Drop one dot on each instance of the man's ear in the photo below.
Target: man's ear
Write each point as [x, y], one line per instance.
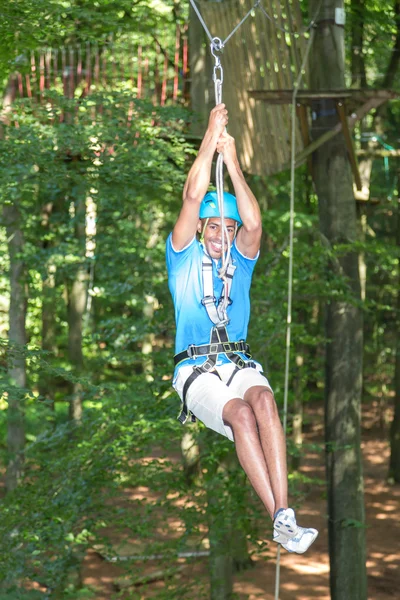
[199, 226]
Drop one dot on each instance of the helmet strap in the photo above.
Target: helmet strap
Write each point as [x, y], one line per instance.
[203, 230]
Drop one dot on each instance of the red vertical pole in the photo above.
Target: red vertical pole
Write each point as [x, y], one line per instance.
[122, 66]
[33, 73]
[139, 79]
[132, 66]
[157, 91]
[88, 68]
[113, 68]
[55, 64]
[20, 86]
[41, 75]
[146, 75]
[79, 65]
[164, 83]
[64, 73]
[97, 66]
[48, 69]
[28, 85]
[71, 73]
[176, 63]
[185, 63]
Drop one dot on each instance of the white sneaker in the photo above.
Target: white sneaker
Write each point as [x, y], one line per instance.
[301, 543]
[285, 526]
[292, 537]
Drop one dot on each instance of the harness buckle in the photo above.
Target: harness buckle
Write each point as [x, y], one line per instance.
[191, 351]
[183, 416]
[227, 346]
[208, 300]
[206, 367]
[221, 299]
[240, 363]
[213, 349]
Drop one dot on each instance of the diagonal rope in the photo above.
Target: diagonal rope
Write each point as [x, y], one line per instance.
[210, 37]
[290, 274]
[257, 4]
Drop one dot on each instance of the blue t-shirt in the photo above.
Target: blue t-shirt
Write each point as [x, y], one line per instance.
[185, 279]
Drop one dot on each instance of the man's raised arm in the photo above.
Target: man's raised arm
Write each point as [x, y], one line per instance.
[198, 179]
[249, 236]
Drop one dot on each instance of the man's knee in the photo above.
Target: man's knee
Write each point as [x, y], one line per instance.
[239, 414]
[261, 400]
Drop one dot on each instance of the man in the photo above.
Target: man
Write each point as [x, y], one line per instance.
[215, 376]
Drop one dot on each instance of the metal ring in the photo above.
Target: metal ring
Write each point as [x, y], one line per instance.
[216, 46]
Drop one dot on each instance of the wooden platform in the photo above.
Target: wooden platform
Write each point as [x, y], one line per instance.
[308, 96]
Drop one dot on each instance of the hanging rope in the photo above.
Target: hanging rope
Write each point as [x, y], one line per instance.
[218, 78]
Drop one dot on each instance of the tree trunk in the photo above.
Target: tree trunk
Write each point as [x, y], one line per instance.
[220, 562]
[358, 74]
[297, 426]
[46, 381]
[77, 298]
[394, 465]
[219, 521]
[17, 339]
[395, 56]
[344, 327]
[190, 455]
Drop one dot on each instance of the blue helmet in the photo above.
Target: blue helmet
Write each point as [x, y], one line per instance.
[209, 207]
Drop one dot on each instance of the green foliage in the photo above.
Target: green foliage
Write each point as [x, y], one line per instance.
[61, 153]
[27, 25]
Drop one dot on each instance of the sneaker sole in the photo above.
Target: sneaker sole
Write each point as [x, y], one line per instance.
[305, 549]
[289, 531]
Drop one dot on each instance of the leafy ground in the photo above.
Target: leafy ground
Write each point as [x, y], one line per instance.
[303, 577]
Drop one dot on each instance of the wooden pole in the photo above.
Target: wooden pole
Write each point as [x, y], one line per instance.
[343, 315]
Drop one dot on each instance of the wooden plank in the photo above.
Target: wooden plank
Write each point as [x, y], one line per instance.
[379, 152]
[281, 96]
[352, 120]
[349, 143]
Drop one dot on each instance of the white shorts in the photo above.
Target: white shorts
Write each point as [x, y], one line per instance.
[207, 394]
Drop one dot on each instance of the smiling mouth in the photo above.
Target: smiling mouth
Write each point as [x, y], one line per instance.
[216, 247]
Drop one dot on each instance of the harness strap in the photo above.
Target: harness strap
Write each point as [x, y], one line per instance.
[217, 348]
[218, 338]
[207, 367]
[216, 310]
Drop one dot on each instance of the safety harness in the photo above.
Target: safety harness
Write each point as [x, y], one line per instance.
[219, 339]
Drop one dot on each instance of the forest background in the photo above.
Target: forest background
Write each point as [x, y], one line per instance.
[90, 186]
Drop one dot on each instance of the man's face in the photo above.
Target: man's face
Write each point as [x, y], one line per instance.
[213, 234]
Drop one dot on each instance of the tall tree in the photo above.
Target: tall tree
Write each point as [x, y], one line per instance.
[344, 323]
[17, 339]
[17, 324]
[394, 465]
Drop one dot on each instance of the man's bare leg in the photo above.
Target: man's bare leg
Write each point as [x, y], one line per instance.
[240, 416]
[272, 439]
